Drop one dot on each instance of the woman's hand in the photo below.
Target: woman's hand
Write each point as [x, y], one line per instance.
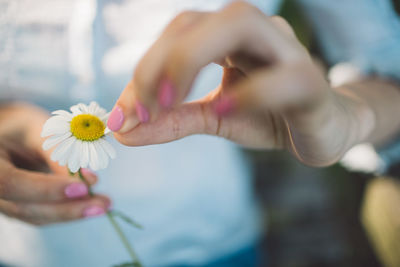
[32, 187]
[271, 94]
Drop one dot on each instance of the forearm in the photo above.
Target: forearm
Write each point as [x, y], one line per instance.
[379, 98]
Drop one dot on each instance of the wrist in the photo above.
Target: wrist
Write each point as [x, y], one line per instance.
[321, 136]
[360, 117]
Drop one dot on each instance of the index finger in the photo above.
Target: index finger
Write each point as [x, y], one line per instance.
[28, 186]
[139, 97]
[237, 27]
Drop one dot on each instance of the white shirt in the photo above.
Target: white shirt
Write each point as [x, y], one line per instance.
[193, 196]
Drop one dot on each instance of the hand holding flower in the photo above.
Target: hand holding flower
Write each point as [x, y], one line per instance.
[80, 137]
[33, 188]
[80, 140]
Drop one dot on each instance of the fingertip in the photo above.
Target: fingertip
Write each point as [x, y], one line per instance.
[166, 95]
[123, 116]
[90, 176]
[76, 190]
[93, 211]
[225, 105]
[116, 119]
[107, 202]
[142, 112]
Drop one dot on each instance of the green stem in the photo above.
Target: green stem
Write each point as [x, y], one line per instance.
[117, 228]
[86, 182]
[124, 240]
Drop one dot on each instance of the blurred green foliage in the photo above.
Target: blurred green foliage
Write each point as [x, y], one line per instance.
[292, 12]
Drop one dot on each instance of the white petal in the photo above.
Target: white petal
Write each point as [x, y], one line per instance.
[93, 107]
[107, 131]
[55, 125]
[64, 159]
[103, 157]
[74, 158]
[100, 112]
[104, 118]
[54, 140]
[62, 149]
[83, 108]
[63, 113]
[76, 110]
[74, 168]
[93, 157]
[108, 148]
[85, 155]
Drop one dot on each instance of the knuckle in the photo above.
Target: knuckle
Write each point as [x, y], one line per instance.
[238, 9]
[181, 21]
[183, 18]
[242, 17]
[283, 25]
[280, 20]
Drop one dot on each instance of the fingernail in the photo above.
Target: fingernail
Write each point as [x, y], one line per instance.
[142, 112]
[88, 172]
[224, 105]
[75, 190]
[167, 94]
[93, 211]
[109, 205]
[116, 119]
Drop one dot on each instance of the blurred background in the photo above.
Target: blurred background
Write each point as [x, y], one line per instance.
[314, 216]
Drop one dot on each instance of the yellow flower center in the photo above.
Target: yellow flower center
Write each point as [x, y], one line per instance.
[87, 127]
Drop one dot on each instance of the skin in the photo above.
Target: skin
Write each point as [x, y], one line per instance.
[279, 98]
[31, 185]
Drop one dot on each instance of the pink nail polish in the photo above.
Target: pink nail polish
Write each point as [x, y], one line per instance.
[167, 94]
[116, 119]
[224, 105]
[76, 190]
[93, 211]
[88, 172]
[142, 112]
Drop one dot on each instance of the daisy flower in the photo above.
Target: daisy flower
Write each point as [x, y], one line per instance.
[79, 137]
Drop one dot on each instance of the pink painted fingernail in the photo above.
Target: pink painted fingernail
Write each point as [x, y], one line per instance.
[224, 105]
[142, 112]
[76, 190]
[167, 94]
[93, 211]
[88, 172]
[116, 119]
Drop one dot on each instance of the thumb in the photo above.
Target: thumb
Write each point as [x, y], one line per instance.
[127, 112]
[196, 117]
